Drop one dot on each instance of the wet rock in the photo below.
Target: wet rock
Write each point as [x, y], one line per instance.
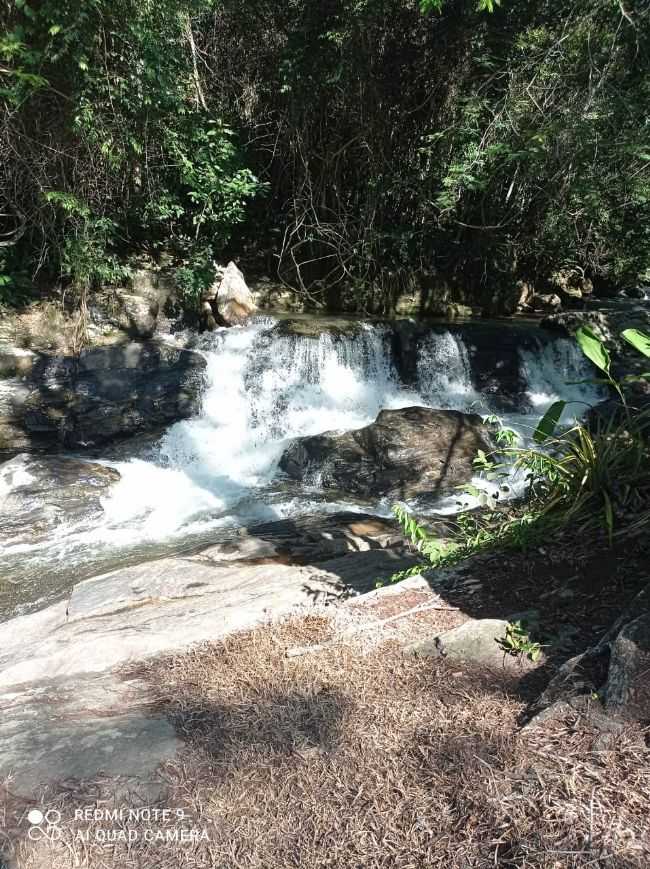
[515, 298]
[403, 453]
[493, 355]
[572, 284]
[309, 539]
[314, 327]
[640, 293]
[40, 494]
[104, 393]
[15, 361]
[549, 302]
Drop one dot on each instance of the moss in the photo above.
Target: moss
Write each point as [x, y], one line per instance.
[317, 326]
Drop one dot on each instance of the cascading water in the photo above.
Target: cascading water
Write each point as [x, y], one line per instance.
[444, 373]
[264, 388]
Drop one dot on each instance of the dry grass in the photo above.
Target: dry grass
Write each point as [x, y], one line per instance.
[360, 757]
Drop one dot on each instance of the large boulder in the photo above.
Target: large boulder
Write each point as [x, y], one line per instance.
[549, 302]
[571, 284]
[40, 494]
[102, 394]
[403, 453]
[229, 300]
[136, 314]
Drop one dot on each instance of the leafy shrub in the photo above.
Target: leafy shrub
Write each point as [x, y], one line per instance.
[595, 475]
[132, 154]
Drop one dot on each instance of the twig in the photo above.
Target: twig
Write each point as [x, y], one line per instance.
[296, 651]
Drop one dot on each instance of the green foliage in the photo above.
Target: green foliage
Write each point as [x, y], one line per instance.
[195, 275]
[517, 642]
[593, 348]
[471, 533]
[427, 6]
[601, 472]
[475, 148]
[638, 339]
[596, 351]
[436, 551]
[549, 422]
[596, 476]
[503, 435]
[133, 154]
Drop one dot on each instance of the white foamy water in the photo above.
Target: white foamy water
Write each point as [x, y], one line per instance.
[262, 390]
[445, 374]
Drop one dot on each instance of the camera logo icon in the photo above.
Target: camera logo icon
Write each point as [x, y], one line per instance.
[44, 825]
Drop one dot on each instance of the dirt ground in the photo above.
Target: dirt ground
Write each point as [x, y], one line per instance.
[318, 743]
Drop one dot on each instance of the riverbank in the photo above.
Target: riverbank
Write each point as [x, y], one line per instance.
[322, 739]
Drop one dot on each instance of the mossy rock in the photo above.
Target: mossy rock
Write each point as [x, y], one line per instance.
[314, 327]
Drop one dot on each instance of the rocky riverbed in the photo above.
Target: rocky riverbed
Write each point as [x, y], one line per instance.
[273, 453]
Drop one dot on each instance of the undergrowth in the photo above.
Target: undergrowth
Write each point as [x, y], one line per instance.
[595, 475]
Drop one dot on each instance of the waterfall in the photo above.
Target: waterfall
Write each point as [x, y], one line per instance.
[554, 369]
[265, 387]
[262, 390]
[444, 373]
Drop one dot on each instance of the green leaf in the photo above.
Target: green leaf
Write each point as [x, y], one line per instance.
[593, 348]
[548, 423]
[638, 339]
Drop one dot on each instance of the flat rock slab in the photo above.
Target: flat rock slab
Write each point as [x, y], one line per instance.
[66, 713]
[150, 609]
[309, 539]
[79, 729]
[474, 641]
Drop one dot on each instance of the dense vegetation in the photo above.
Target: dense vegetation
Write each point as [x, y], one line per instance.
[593, 476]
[357, 144]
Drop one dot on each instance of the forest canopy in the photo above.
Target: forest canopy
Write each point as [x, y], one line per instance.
[356, 142]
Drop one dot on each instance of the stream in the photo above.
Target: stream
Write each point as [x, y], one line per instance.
[206, 475]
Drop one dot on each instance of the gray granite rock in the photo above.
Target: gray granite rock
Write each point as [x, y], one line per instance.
[627, 691]
[474, 641]
[403, 453]
[102, 394]
[39, 493]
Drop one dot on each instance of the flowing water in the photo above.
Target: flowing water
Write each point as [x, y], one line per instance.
[263, 389]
